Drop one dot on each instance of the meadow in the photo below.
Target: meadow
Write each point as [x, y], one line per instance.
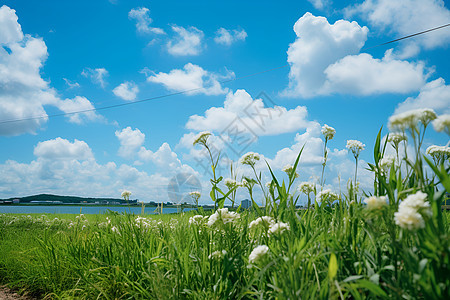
[392, 243]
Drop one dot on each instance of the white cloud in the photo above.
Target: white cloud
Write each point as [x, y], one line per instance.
[187, 42]
[319, 4]
[324, 61]
[319, 44]
[126, 91]
[96, 75]
[364, 75]
[23, 92]
[11, 31]
[228, 37]
[78, 104]
[194, 78]
[243, 115]
[130, 140]
[434, 95]
[63, 149]
[142, 17]
[406, 17]
[70, 84]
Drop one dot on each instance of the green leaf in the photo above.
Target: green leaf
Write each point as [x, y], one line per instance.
[332, 266]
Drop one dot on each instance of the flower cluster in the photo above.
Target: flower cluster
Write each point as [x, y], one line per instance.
[396, 138]
[411, 210]
[328, 132]
[375, 203]
[306, 187]
[222, 216]
[326, 195]
[217, 254]
[386, 163]
[265, 221]
[250, 158]
[258, 254]
[411, 118]
[202, 138]
[355, 146]
[197, 220]
[231, 183]
[439, 153]
[288, 170]
[126, 194]
[278, 228]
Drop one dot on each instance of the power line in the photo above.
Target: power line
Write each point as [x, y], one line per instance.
[407, 37]
[199, 88]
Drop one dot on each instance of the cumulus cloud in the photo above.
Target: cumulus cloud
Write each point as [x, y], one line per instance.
[60, 148]
[97, 75]
[192, 78]
[319, 44]
[364, 75]
[11, 30]
[227, 37]
[242, 114]
[402, 18]
[130, 140]
[142, 17]
[434, 95]
[324, 61]
[78, 103]
[126, 91]
[75, 173]
[187, 42]
[23, 92]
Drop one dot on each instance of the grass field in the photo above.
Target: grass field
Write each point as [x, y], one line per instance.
[392, 244]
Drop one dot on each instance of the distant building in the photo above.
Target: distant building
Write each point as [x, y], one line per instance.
[246, 204]
[16, 201]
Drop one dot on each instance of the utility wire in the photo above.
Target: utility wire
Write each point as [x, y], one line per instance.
[199, 88]
[406, 37]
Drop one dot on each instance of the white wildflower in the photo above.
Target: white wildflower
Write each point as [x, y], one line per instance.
[222, 216]
[442, 123]
[288, 169]
[355, 146]
[386, 163]
[328, 132]
[326, 195]
[249, 158]
[411, 118]
[196, 220]
[258, 254]
[375, 203]
[415, 201]
[439, 153]
[279, 228]
[396, 138]
[217, 254]
[266, 221]
[306, 187]
[409, 211]
[126, 194]
[231, 183]
[409, 218]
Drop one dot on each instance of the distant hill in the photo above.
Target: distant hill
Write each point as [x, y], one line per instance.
[49, 198]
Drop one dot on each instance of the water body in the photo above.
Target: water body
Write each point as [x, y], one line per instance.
[61, 209]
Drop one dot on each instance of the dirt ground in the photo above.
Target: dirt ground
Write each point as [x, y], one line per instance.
[7, 294]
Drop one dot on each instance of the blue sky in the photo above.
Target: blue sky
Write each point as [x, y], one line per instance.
[59, 56]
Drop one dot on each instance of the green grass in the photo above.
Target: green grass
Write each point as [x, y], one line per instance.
[168, 258]
[339, 249]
